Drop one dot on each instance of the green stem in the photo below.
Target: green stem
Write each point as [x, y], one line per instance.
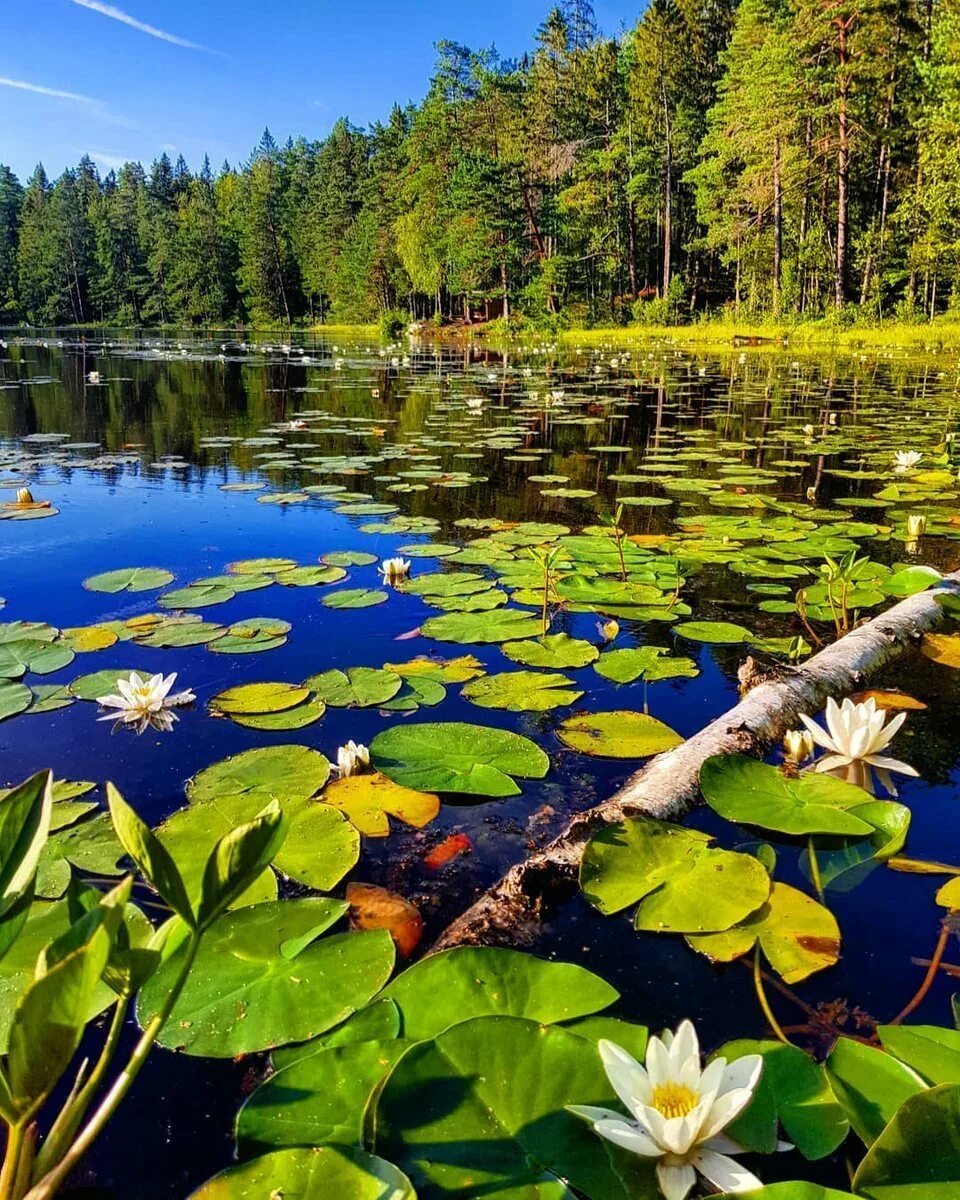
[75, 1109]
[16, 1135]
[47, 1187]
[761, 996]
[815, 869]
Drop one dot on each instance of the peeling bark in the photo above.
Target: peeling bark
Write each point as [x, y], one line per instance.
[509, 913]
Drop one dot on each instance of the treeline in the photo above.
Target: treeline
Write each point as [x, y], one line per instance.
[787, 157]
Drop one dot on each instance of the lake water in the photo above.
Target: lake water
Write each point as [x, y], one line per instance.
[141, 460]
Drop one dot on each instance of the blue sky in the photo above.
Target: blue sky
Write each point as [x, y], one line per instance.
[134, 78]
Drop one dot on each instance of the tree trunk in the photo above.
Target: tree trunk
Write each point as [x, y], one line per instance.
[777, 226]
[509, 912]
[843, 165]
[667, 195]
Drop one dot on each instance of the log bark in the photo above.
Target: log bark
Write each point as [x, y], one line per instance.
[510, 912]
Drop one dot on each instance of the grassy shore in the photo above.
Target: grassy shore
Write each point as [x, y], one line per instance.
[930, 337]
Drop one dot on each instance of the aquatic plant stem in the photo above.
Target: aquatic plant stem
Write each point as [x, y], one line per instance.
[762, 997]
[10, 1173]
[935, 961]
[75, 1109]
[815, 868]
[48, 1186]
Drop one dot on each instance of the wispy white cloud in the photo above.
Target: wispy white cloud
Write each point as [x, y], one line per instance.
[40, 90]
[112, 162]
[117, 14]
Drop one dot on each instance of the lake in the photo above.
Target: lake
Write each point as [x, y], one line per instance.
[738, 472]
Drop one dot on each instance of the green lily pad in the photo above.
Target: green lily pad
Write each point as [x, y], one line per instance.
[483, 981]
[17, 658]
[918, 1154]
[314, 1173]
[932, 1052]
[617, 735]
[101, 683]
[719, 633]
[198, 595]
[302, 715]
[283, 773]
[522, 691]
[15, 698]
[459, 1091]
[797, 935]
[129, 579]
[348, 558]
[749, 792]
[354, 598]
[494, 625]
[47, 698]
[647, 662]
[457, 757]
[177, 633]
[683, 885]
[311, 576]
[264, 976]
[258, 698]
[261, 566]
[357, 687]
[870, 1086]
[557, 651]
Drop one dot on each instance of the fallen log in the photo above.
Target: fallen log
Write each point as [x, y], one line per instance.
[508, 914]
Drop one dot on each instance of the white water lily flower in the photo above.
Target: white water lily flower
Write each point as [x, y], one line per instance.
[352, 759]
[857, 735]
[394, 569]
[916, 525]
[903, 460]
[798, 744]
[678, 1111]
[145, 702]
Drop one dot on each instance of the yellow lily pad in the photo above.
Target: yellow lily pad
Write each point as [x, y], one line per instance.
[368, 799]
[248, 698]
[85, 639]
[943, 648]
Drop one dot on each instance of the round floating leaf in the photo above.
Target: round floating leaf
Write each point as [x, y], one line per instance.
[314, 1173]
[14, 698]
[796, 1190]
[457, 757]
[85, 639]
[34, 656]
[101, 683]
[749, 792]
[318, 1100]
[90, 845]
[494, 625]
[869, 1084]
[483, 981]
[682, 883]
[261, 566]
[918, 1154]
[459, 1092]
[348, 558]
[179, 632]
[440, 670]
[129, 579]
[558, 651]
[793, 1095]
[647, 662]
[943, 648]
[299, 717]
[368, 798]
[797, 935]
[264, 977]
[196, 595]
[354, 598]
[47, 698]
[257, 698]
[720, 633]
[931, 1051]
[522, 691]
[357, 687]
[617, 735]
[311, 576]
[284, 773]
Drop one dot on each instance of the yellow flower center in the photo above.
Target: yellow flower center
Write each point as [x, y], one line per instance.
[674, 1099]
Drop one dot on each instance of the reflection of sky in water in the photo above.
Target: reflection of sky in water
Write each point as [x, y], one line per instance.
[727, 421]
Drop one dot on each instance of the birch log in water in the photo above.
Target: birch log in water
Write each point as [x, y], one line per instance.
[509, 912]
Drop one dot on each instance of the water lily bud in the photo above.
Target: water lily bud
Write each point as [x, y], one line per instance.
[608, 630]
[916, 525]
[25, 496]
[394, 569]
[809, 430]
[798, 745]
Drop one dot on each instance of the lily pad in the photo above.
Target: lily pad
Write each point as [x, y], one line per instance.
[557, 651]
[494, 625]
[283, 773]
[310, 1173]
[719, 633]
[354, 598]
[918, 1153]
[264, 976]
[357, 687]
[129, 579]
[368, 799]
[683, 885]
[258, 698]
[646, 662]
[15, 698]
[522, 691]
[302, 715]
[617, 735]
[797, 935]
[457, 757]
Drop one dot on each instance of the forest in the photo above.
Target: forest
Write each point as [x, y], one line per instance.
[790, 158]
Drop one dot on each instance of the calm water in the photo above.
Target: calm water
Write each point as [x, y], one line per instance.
[452, 434]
